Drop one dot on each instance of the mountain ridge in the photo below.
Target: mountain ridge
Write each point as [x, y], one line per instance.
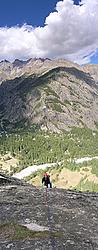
[53, 94]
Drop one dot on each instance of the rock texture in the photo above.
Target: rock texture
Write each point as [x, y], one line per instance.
[8, 180]
[92, 69]
[53, 94]
[66, 220]
[32, 66]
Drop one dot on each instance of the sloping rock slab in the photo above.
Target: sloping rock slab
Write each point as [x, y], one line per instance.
[9, 180]
[69, 220]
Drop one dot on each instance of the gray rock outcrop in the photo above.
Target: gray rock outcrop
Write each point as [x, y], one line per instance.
[61, 220]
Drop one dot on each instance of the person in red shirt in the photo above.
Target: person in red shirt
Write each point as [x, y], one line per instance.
[46, 180]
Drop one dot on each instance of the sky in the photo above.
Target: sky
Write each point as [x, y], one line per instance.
[49, 29]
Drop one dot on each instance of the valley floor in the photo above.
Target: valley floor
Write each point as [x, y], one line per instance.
[81, 178]
[31, 169]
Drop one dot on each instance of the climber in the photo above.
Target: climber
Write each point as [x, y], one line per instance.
[46, 180]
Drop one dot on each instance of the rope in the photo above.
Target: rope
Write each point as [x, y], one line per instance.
[52, 240]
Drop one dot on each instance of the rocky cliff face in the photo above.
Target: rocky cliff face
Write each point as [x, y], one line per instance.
[92, 70]
[53, 94]
[36, 218]
[32, 66]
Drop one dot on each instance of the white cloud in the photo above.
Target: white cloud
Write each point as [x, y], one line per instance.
[71, 32]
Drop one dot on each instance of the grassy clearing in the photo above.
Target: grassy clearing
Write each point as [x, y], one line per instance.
[87, 186]
[68, 176]
[18, 232]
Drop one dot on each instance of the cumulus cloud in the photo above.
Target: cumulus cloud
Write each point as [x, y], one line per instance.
[70, 32]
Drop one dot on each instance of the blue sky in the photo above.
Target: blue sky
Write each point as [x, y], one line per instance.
[74, 40]
[13, 12]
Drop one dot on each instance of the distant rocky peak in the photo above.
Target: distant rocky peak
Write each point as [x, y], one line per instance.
[19, 63]
[4, 61]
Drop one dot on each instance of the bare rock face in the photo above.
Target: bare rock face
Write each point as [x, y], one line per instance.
[53, 94]
[4, 180]
[32, 66]
[92, 69]
[33, 218]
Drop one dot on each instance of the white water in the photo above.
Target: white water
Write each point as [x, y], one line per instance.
[31, 169]
[81, 160]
